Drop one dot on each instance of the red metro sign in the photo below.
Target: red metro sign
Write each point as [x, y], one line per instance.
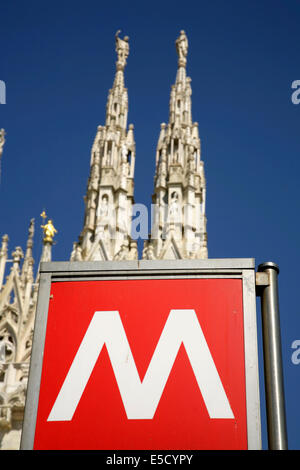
[143, 364]
[141, 397]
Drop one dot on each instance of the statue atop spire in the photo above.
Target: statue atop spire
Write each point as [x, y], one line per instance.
[31, 229]
[122, 50]
[182, 48]
[49, 229]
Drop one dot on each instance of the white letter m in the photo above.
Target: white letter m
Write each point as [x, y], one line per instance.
[141, 399]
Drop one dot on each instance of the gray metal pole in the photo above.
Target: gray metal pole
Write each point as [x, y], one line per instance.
[276, 419]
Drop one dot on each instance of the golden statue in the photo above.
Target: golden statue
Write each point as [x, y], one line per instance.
[49, 231]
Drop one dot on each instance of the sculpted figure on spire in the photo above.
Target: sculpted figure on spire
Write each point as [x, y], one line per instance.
[182, 48]
[49, 231]
[122, 50]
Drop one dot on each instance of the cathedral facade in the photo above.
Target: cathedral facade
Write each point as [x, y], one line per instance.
[178, 228]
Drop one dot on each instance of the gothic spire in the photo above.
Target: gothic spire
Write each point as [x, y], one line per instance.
[117, 102]
[179, 228]
[3, 258]
[109, 196]
[49, 232]
[180, 99]
[27, 268]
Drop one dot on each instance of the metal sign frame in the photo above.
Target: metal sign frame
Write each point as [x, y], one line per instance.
[243, 269]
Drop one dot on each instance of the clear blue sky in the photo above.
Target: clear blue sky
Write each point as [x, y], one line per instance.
[58, 62]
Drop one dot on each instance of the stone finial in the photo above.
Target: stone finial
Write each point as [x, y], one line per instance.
[122, 50]
[17, 255]
[31, 229]
[4, 242]
[28, 259]
[30, 234]
[182, 48]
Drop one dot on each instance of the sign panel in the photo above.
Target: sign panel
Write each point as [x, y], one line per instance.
[144, 362]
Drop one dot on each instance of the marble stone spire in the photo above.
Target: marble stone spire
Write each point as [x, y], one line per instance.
[109, 196]
[179, 226]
